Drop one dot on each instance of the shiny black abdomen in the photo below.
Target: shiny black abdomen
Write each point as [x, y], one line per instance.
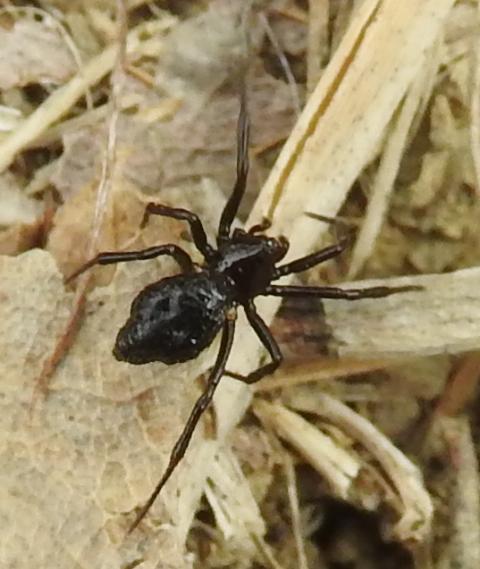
[174, 319]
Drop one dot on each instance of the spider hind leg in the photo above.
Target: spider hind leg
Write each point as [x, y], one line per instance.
[287, 291]
[269, 342]
[198, 409]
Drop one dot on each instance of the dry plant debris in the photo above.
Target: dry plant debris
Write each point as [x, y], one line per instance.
[380, 416]
[34, 52]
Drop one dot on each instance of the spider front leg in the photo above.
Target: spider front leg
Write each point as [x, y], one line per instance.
[316, 258]
[196, 227]
[182, 258]
[335, 292]
[202, 403]
[231, 208]
[309, 261]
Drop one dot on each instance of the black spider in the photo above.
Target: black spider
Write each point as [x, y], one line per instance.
[176, 318]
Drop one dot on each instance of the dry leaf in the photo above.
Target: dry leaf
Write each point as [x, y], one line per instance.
[16, 207]
[91, 453]
[33, 52]
[195, 143]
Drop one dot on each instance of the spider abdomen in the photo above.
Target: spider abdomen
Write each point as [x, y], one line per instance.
[173, 320]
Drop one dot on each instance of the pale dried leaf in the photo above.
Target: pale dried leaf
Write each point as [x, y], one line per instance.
[20, 237]
[33, 52]
[16, 207]
[69, 237]
[196, 61]
[193, 144]
[92, 452]
[9, 118]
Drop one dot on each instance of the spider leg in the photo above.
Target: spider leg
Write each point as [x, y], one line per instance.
[325, 218]
[311, 260]
[231, 207]
[196, 227]
[335, 221]
[202, 403]
[182, 258]
[264, 224]
[335, 292]
[265, 336]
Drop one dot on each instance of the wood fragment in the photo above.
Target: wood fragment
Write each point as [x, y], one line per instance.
[444, 317]
[416, 511]
[336, 465]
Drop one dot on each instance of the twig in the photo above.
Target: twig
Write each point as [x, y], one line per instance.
[283, 62]
[61, 348]
[108, 164]
[475, 109]
[266, 551]
[295, 510]
[465, 541]
[318, 370]
[66, 339]
[292, 12]
[318, 17]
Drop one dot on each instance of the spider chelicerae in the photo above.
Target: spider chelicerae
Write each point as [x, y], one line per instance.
[177, 317]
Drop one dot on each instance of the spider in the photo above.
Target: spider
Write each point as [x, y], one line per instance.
[177, 317]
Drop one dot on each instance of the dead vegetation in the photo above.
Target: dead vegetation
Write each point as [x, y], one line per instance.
[362, 451]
